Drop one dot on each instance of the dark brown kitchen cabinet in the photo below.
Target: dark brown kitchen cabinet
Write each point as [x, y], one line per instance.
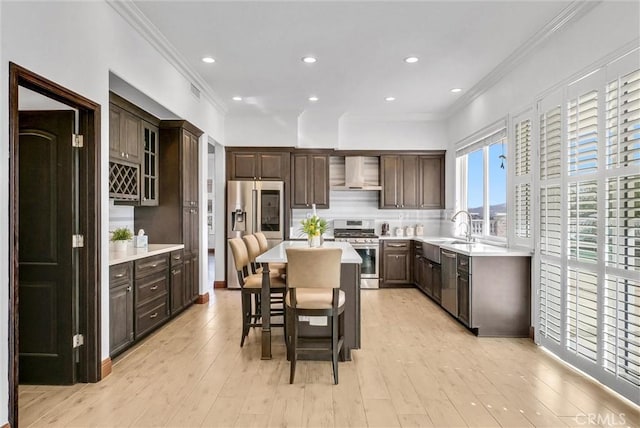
[309, 180]
[412, 182]
[151, 293]
[124, 134]
[431, 182]
[464, 294]
[251, 165]
[399, 176]
[121, 314]
[436, 281]
[175, 219]
[396, 263]
[177, 296]
[150, 175]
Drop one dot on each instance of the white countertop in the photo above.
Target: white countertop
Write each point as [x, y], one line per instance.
[475, 249]
[132, 253]
[278, 254]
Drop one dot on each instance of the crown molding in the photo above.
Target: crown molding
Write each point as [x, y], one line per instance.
[139, 22]
[576, 10]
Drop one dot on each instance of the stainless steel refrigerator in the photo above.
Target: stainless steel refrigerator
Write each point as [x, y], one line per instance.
[253, 206]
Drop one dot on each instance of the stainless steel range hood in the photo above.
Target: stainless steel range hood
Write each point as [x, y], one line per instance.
[360, 173]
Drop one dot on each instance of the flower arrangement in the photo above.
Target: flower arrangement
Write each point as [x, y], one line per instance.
[314, 226]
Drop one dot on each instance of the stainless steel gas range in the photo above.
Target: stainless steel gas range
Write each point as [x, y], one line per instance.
[362, 237]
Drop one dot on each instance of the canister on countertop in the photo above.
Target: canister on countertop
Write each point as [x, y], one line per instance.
[409, 231]
[141, 240]
[419, 230]
[399, 231]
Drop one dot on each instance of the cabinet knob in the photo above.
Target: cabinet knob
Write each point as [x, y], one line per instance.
[144, 199]
[122, 154]
[127, 155]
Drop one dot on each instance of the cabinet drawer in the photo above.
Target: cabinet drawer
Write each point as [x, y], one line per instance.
[177, 257]
[417, 248]
[151, 288]
[396, 245]
[151, 315]
[119, 273]
[152, 264]
[464, 263]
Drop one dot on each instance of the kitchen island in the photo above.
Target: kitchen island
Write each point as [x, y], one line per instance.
[349, 283]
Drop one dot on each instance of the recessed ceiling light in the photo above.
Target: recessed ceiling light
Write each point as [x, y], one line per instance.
[411, 59]
[237, 98]
[456, 90]
[314, 99]
[390, 99]
[309, 59]
[208, 60]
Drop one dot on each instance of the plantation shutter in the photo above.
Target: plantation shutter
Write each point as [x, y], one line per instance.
[582, 219]
[623, 121]
[550, 143]
[582, 133]
[522, 180]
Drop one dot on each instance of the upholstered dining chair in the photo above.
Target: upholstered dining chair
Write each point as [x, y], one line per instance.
[251, 285]
[264, 246]
[313, 284]
[277, 299]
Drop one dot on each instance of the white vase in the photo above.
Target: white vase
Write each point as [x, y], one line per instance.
[314, 241]
[120, 246]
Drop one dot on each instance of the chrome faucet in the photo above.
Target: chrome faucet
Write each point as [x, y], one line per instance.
[468, 222]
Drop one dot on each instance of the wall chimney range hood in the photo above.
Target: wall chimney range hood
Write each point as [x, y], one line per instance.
[360, 173]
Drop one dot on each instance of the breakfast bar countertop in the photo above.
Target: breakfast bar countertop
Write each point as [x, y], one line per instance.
[132, 253]
[278, 253]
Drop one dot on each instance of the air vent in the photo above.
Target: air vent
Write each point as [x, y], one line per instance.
[195, 91]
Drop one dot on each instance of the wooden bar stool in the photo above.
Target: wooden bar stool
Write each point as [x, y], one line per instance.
[264, 246]
[313, 283]
[251, 284]
[277, 300]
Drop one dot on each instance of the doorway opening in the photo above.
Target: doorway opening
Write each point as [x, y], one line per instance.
[54, 239]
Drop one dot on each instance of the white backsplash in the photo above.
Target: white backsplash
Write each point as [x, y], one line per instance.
[363, 205]
[120, 216]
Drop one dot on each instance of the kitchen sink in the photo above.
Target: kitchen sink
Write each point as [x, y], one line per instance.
[460, 242]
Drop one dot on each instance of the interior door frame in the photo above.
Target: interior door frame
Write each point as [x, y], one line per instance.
[89, 368]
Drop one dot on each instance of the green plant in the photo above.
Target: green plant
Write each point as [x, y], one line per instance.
[314, 226]
[121, 234]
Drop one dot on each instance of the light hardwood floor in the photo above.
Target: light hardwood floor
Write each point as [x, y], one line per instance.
[417, 367]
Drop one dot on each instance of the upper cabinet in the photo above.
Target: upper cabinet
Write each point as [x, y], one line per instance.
[309, 180]
[412, 181]
[133, 153]
[245, 165]
[124, 134]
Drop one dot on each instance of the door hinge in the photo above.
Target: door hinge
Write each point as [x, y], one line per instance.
[77, 140]
[78, 340]
[77, 241]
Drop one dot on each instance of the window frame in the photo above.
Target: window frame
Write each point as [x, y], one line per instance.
[483, 140]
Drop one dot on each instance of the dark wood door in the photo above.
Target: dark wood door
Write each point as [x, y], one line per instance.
[320, 180]
[130, 132]
[114, 131]
[390, 196]
[189, 194]
[46, 290]
[177, 288]
[120, 317]
[195, 279]
[244, 166]
[396, 268]
[300, 174]
[271, 166]
[431, 182]
[463, 297]
[436, 281]
[409, 173]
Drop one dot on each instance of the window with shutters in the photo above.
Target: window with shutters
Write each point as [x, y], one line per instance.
[588, 232]
[522, 180]
[482, 186]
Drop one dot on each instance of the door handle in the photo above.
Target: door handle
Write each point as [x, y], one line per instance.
[154, 288]
[153, 315]
[120, 275]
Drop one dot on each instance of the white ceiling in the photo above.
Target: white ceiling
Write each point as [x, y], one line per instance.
[360, 48]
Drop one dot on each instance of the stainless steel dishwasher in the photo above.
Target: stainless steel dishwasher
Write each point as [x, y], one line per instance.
[449, 282]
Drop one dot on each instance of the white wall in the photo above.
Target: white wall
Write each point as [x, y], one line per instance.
[76, 44]
[608, 28]
[377, 133]
[261, 130]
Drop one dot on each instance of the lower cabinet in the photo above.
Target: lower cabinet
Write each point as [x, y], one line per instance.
[464, 284]
[396, 263]
[145, 293]
[121, 332]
